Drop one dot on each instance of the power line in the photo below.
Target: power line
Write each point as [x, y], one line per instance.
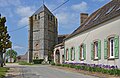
[18, 28]
[40, 17]
[60, 5]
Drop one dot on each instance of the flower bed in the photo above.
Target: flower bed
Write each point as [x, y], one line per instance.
[105, 69]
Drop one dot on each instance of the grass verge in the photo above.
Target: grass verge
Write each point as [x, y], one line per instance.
[24, 63]
[3, 71]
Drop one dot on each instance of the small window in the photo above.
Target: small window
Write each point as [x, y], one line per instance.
[96, 50]
[67, 57]
[72, 54]
[48, 17]
[96, 17]
[51, 17]
[39, 17]
[81, 52]
[110, 9]
[35, 16]
[118, 9]
[111, 47]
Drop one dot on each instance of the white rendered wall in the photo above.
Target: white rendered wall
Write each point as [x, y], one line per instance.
[101, 32]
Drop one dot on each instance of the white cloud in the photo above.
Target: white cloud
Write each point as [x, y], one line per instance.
[4, 3]
[67, 19]
[81, 7]
[62, 17]
[23, 21]
[17, 47]
[25, 13]
[98, 0]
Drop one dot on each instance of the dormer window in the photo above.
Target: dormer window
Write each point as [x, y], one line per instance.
[110, 9]
[118, 9]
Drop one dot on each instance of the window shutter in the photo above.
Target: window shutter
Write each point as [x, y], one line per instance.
[84, 52]
[116, 47]
[99, 49]
[79, 52]
[74, 53]
[65, 54]
[105, 49]
[92, 56]
[68, 54]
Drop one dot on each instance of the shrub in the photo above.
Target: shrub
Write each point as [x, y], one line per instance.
[24, 63]
[52, 63]
[37, 61]
[58, 64]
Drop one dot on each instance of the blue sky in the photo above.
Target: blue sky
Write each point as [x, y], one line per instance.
[17, 13]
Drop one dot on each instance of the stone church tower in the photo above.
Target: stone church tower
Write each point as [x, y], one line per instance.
[42, 34]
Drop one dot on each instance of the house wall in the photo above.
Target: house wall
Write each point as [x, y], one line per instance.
[98, 32]
[61, 54]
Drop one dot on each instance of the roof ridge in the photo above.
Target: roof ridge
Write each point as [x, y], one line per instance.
[90, 22]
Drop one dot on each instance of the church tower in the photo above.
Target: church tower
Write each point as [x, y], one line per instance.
[42, 34]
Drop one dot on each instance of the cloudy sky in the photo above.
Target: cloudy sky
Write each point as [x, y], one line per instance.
[18, 11]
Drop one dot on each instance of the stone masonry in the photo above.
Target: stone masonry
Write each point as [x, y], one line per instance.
[42, 34]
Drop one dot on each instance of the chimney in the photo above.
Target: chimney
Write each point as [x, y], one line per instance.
[83, 17]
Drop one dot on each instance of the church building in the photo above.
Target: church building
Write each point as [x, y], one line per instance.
[43, 33]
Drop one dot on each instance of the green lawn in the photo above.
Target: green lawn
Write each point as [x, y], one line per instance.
[3, 71]
[24, 63]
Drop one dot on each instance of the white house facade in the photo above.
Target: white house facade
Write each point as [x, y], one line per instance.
[97, 40]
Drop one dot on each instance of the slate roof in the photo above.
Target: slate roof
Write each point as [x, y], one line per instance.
[42, 8]
[103, 14]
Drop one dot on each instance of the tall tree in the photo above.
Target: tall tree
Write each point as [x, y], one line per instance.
[5, 43]
[12, 54]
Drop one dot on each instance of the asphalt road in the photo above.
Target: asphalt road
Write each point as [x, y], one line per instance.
[45, 71]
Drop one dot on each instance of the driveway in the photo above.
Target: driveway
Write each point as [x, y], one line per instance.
[46, 71]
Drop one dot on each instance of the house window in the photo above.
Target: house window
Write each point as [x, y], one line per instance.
[39, 17]
[72, 54]
[111, 47]
[51, 17]
[96, 49]
[81, 52]
[67, 57]
[48, 17]
[35, 16]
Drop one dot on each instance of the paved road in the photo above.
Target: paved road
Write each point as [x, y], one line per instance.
[45, 71]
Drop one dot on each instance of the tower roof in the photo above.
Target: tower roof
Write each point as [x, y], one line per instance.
[42, 8]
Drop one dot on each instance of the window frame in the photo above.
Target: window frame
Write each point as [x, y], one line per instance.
[67, 54]
[82, 52]
[109, 48]
[72, 51]
[95, 48]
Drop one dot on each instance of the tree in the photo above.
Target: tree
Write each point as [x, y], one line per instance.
[5, 43]
[12, 54]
